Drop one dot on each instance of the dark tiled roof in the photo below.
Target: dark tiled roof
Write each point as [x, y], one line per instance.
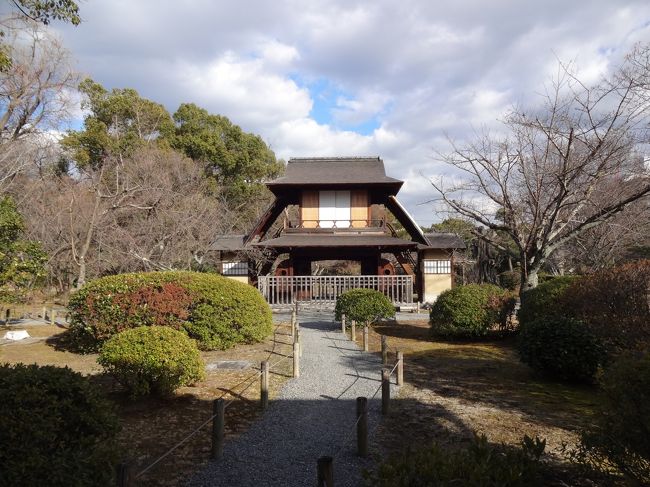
[228, 243]
[334, 170]
[319, 240]
[444, 241]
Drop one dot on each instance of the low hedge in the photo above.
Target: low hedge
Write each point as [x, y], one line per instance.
[480, 464]
[216, 311]
[152, 360]
[363, 306]
[563, 348]
[470, 311]
[55, 428]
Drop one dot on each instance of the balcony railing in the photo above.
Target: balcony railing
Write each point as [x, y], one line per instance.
[286, 290]
[335, 224]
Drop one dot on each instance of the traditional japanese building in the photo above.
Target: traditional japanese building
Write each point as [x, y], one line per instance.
[339, 209]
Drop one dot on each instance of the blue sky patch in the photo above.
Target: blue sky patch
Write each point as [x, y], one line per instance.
[325, 96]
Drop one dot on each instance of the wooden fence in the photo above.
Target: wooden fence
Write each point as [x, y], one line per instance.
[287, 290]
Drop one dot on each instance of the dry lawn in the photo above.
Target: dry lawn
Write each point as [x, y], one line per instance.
[150, 427]
[453, 389]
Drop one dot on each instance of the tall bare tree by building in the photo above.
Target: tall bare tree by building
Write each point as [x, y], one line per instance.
[543, 183]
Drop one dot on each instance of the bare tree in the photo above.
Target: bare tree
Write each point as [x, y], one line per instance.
[549, 179]
[151, 211]
[35, 96]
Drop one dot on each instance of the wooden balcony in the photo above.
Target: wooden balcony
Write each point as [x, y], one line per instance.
[281, 291]
[324, 226]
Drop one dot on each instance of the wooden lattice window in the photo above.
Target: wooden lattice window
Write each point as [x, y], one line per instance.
[437, 266]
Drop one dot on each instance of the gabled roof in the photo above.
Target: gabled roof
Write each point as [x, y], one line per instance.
[440, 240]
[228, 243]
[336, 171]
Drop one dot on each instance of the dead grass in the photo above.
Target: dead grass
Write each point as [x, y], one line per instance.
[454, 389]
[151, 426]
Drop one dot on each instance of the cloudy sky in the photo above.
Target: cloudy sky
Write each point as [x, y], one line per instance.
[323, 78]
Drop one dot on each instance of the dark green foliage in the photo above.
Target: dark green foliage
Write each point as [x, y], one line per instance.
[478, 465]
[237, 160]
[544, 302]
[55, 428]
[561, 347]
[510, 280]
[22, 262]
[217, 311]
[119, 122]
[152, 360]
[469, 311]
[363, 306]
[621, 433]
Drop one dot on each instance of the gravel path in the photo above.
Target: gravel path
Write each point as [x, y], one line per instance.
[314, 415]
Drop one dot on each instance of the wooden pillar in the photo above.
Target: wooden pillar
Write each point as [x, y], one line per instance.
[362, 426]
[325, 467]
[218, 427]
[400, 368]
[264, 385]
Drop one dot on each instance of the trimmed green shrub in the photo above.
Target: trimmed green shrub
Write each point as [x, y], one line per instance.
[152, 360]
[561, 347]
[55, 428]
[217, 311]
[480, 465]
[470, 311]
[544, 301]
[363, 306]
[510, 280]
[621, 433]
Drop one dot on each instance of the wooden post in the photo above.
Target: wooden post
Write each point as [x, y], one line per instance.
[325, 467]
[53, 317]
[218, 428]
[354, 331]
[123, 474]
[44, 313]
[384, 350]
[400, 368]
[417, 307]
[296, 359]
[264, 385]
[362, 426]
[343, 323]
[298, 339]
[385, 391]
[365, 338]
[293, 325]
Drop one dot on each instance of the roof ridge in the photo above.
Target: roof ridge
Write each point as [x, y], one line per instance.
[314, 159]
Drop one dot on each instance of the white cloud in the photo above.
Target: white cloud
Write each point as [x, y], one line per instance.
[245, 90]
[421, 69]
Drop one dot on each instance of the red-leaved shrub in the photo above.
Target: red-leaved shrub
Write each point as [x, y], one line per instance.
[614, 304]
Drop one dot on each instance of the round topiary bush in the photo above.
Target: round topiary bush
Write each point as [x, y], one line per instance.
[217, 311]
[55, 428]
[363, 306]
[545, 301]
[469, 311]
[561, 347]
[152, 360]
